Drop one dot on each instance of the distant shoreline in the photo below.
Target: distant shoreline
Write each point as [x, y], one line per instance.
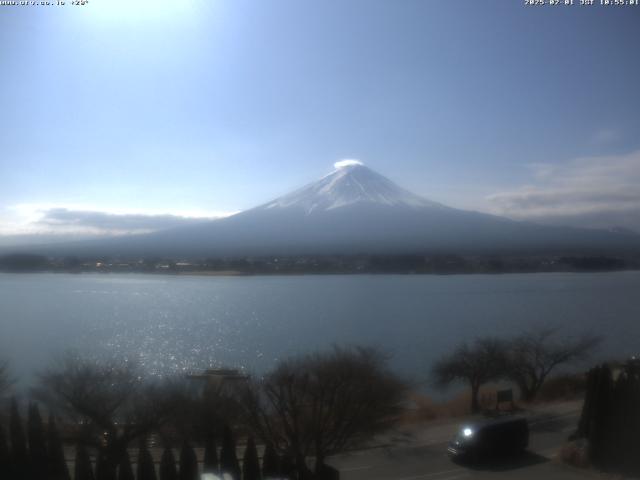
[371, 264]
[301, 274]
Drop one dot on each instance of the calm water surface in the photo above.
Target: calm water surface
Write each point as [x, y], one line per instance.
[172, 323]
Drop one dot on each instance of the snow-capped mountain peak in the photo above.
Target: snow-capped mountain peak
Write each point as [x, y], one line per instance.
[350, 183]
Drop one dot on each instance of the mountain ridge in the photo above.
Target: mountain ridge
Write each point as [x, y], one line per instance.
[354, 210]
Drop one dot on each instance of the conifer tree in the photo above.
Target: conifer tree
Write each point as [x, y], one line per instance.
[586, 416]
[83, 469]
[611, 418]
[37, 443]
[287, 467]
[168, 469]
[188, 463]
[105, 469]
[270, 462]
[4, 456]
[19, 453]
[250, 462]
[125, 472]
[634, 417]
[228, 458]
[601, 409]
[57, 464]
[210, 455]
[619, 421]
[146, 468]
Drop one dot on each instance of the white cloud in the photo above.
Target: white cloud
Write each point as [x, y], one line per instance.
[591, 192]
[347, 162]
[87, 220]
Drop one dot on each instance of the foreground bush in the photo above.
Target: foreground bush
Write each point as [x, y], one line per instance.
[563, 387]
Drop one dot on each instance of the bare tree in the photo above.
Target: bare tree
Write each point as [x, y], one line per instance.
[478, 363]
[534, 355]
[109, 401]
[321, 404]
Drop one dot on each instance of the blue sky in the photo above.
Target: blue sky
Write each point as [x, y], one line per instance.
[204, 107]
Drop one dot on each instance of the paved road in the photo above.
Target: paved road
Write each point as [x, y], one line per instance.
[422, 456]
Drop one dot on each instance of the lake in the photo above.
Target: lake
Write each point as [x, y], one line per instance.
[185, 323]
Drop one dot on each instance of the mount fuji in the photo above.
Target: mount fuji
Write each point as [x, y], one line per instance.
[354, 210]
[349, 184]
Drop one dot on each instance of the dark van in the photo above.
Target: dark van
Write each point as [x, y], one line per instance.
[490, 438]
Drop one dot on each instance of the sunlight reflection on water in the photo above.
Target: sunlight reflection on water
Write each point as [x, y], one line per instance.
[178, 324]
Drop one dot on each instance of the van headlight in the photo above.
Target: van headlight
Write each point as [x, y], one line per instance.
[467, 432]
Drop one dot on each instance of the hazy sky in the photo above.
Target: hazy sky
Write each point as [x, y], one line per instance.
[120, 109]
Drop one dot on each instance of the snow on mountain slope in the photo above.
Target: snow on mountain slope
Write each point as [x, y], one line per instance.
[350, 183]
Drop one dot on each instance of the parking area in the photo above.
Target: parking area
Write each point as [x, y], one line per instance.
[417, 455]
